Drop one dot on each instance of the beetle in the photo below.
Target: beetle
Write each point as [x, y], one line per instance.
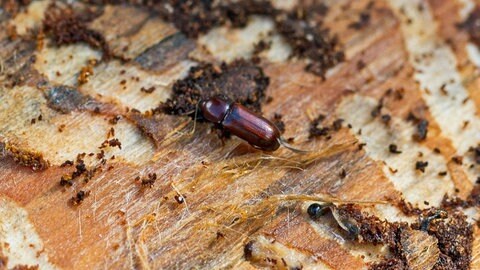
[240, 121]
[425, 222]
[316, 210]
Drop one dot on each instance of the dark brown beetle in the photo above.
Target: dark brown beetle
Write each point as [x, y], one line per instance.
[243, 123]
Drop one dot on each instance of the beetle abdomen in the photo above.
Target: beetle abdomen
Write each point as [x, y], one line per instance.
[253, 128]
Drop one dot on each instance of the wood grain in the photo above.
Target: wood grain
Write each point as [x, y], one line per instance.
[227, 188]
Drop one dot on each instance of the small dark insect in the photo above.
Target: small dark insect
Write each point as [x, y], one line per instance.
[425, 222]
[316, 210]
[243, 123]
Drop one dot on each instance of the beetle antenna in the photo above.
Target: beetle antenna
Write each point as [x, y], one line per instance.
[284, 143]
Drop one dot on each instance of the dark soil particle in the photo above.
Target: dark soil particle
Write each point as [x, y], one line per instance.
[261, 46]
[240, 81]
[66, 163]
[111, 143]
[421, 131]
[377, 110]
[79, 197]
[458, 160]
[65, 27]
[277, 121]
[148, 181]
[316, 130]
[337, 124]
[421, 165]
[147, 90]
[80, 170]
[386, 119]
[393, 148]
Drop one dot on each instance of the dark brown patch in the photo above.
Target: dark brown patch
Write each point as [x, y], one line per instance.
[310, 40]
[472, 25]
[197, 17]
[476, 153]
[64, 27]
[248, 250]
[241, 81]
[455, 237]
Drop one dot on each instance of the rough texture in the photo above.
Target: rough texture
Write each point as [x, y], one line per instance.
[103, 166]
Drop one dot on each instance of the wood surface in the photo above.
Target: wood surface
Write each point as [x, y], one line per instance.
[228, 189]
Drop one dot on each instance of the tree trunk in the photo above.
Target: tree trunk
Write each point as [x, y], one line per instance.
[90, 178]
